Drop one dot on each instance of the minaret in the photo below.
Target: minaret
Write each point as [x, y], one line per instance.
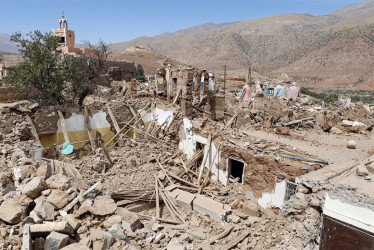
[67, 36]
[63, 23]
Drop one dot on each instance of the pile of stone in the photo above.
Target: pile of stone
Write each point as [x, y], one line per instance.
[51, 214]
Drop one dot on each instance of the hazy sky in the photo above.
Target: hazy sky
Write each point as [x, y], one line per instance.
[121, 20]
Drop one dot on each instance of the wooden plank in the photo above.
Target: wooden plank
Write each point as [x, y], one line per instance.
[88, 127]
[108, 156]
[115, 124]
[158, 215]
[33, 130]
[182, 180]
[63, 126]
[135, 115]
[113, 118]
[128, 123]
[231, 121]
[184, 165]
[297, 121]
[163, 170]
[206, 153]
[171, 123]
[177, 96]
[171, 204]
[161, 125]
[236, 241]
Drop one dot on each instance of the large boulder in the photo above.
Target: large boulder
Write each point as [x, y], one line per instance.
[12, 211]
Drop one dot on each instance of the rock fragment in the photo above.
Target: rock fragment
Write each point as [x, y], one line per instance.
[56, 241]
[103, 206]
[45, 210]
[93, 191]
[58, 198]
[58, 181]
[351, 144]
[130, 221]
[34, 187]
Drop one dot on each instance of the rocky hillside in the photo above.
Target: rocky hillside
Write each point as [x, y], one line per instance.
[326, 50]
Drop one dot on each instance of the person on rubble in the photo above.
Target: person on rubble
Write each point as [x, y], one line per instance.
[246, 93]
[212, 87]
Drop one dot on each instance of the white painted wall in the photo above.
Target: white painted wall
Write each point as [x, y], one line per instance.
[159, 114]
[188, 146]
[275, 198]
[357, 216]
[76, 122]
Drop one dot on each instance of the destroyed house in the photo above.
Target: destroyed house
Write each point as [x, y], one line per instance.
[196, 89]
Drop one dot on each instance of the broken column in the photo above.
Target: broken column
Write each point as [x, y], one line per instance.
[187, 92]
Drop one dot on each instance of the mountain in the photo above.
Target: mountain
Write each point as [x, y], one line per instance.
[329, 50]
[120, 47]
[6, 45]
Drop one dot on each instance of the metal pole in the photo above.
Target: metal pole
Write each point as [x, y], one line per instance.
[224, 82]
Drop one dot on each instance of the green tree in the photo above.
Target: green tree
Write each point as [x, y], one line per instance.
[39, 76]
[78, 83]
[139, 73]
[46, 75]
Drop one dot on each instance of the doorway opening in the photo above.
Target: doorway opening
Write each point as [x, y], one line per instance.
[236, 169]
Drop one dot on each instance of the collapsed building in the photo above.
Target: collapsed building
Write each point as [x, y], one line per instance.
[177, 164]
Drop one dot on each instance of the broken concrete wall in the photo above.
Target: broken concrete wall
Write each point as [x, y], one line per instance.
[158, 115]
[188, 146]
[357, 216]
[261, 171]
[275, 198]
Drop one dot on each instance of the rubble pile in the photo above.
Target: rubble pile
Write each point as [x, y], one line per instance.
[166, 174]
[301, 113]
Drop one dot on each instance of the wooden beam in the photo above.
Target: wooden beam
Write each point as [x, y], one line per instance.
[88, 127]
[113, 118]
[108, 156]
[177, 96]
[63, 126]
[33, 130]
[115, 124]
[182, 180]
[231, 121]
[163, 170]
[135, 115]
[206, 155]
[158, 214]
[161, 125]
[171, 123]
[128, 123]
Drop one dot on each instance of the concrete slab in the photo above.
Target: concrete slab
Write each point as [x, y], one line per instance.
[185, 199]
[214, 209]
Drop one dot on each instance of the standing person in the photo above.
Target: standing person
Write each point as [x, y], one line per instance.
[247, 93]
